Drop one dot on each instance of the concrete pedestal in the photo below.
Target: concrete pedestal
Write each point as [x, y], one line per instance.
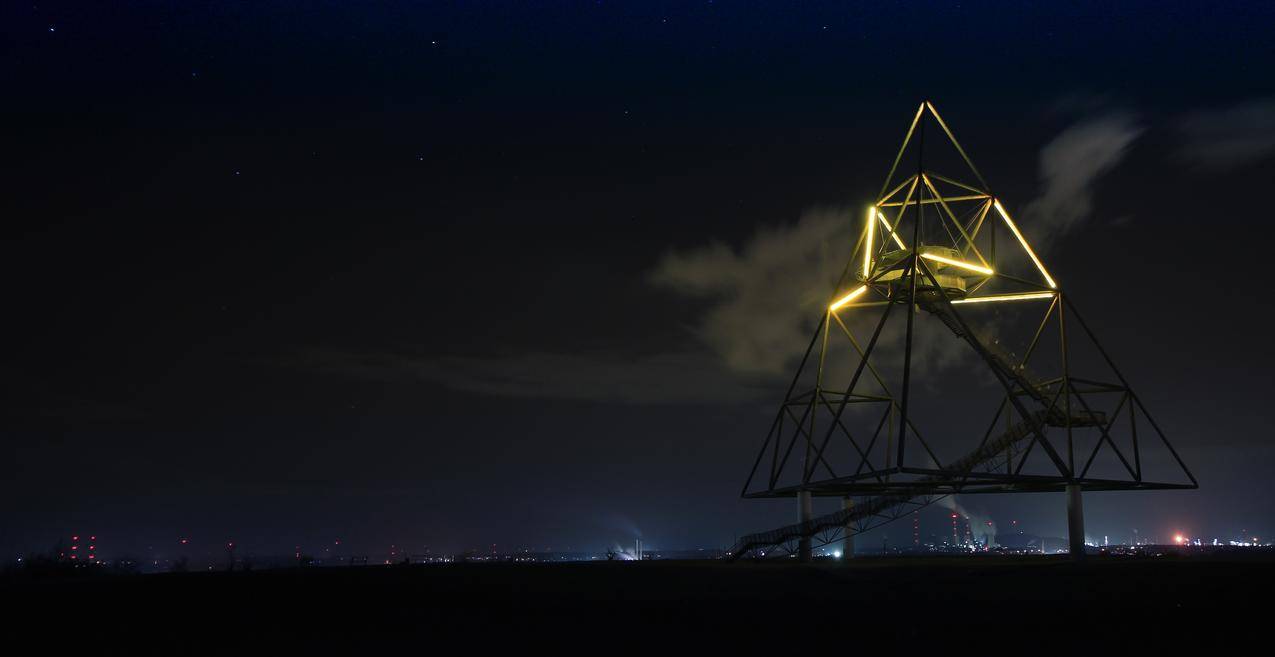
[805, 511]
[1075, 522]
[847, 551]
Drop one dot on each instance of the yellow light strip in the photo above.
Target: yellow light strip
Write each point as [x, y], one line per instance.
[867, 251]
[1007, 297]
[931, 201]
[848, 298]
[886, 222]
[1023, 241]
[958, 263]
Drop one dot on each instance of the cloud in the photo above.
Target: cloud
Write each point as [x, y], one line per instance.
[1070, 164]
[760, 304]
[1228, 137]
[662, 378]
[762, 299]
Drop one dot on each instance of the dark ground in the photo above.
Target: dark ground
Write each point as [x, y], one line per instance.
[988, 606]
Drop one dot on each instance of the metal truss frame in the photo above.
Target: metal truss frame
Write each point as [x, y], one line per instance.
[885, 273]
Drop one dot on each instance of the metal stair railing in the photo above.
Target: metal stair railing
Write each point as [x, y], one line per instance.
[878, 505]
[996, 356]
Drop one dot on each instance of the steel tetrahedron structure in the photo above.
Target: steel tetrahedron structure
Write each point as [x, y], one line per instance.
[945, 312]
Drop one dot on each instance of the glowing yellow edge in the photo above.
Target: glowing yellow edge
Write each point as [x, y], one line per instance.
[847, 298]
[958, 263]
[1007, 297]
[885, 222]
[1021, 240]
[867, 252]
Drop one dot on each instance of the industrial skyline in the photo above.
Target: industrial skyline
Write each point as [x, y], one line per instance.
[941, 533]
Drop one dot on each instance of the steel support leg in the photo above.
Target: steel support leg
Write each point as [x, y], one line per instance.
[805, 511]
[1075, 522]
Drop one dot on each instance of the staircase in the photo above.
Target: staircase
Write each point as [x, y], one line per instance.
[992, 352]
[881, 504]
[1002, 361]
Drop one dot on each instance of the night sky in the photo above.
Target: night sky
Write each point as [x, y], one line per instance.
[464, 274]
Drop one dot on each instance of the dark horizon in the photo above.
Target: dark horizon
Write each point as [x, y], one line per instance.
[452, 276]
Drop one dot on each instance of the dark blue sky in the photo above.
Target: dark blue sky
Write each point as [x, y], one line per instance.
[290, 271]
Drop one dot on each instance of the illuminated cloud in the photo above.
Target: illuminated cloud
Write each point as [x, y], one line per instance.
[1070, 165]
[1228, 137]
[763, 301]
[760, 302]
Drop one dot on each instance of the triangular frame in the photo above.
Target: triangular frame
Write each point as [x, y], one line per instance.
[884, 272]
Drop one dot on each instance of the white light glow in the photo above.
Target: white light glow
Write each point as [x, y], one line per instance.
[958, 263]
[1007, 297]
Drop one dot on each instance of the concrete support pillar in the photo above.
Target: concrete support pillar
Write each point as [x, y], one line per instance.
[847, 551]
[1075, 522]
[805, 511]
